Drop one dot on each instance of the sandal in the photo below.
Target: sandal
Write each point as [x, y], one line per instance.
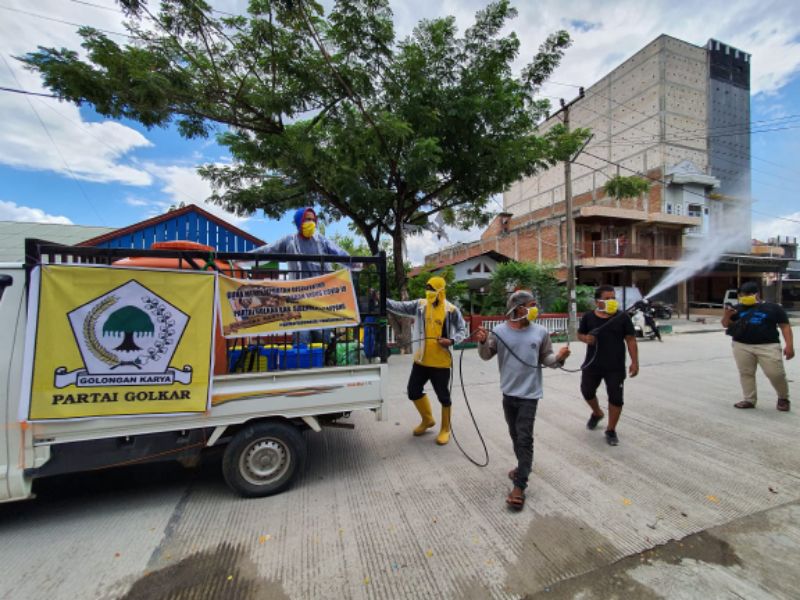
[744, 404]
[516, 502]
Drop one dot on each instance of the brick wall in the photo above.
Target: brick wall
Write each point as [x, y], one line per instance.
[539, 236]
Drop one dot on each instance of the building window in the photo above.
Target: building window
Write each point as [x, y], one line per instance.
[694, 210]
[669, 208]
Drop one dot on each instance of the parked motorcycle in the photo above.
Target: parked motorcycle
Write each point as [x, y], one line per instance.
[644, 321]
[661, 310]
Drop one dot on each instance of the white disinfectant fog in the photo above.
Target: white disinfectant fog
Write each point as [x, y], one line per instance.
[725, 234]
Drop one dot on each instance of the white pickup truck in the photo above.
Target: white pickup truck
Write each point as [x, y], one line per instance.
[262, 430]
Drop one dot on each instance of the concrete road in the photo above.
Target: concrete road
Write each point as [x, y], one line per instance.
[380, 514]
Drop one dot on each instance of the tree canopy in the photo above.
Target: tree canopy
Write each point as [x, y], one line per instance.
[331, 109]
[620, 186]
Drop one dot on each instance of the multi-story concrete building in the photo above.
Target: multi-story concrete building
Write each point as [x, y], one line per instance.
[675, 113]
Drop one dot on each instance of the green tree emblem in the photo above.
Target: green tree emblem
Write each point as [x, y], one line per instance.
[127, 321]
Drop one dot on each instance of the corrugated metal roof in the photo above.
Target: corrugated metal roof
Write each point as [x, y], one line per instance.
[13, 234]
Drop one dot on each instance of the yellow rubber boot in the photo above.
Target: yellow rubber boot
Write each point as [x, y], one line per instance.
[444, 433]
[424, 407]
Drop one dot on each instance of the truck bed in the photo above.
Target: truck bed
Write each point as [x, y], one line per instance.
[241, 397]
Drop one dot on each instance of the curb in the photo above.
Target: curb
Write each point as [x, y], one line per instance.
[698, 331]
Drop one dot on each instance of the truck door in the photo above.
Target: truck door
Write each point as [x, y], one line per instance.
[8, 318]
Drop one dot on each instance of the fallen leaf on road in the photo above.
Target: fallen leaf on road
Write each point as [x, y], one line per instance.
[627, 502]
[429, 553]
[713, 499]
[366, 580]
[264, 538]
[230, 577]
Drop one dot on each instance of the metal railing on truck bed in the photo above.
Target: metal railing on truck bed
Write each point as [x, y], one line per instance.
[365, 343]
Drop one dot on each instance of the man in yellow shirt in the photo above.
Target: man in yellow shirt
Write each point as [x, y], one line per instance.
[438, 324]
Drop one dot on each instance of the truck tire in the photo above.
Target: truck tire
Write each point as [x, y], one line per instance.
[263, 459]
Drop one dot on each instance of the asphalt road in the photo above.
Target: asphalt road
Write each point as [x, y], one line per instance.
[699, 499]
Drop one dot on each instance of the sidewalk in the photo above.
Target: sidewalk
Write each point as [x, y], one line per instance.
[708, 323]
[695, 324]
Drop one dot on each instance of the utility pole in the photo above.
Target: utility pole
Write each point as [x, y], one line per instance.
[572, 309]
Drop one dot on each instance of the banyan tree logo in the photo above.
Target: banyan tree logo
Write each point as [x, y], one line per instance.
[127, 336]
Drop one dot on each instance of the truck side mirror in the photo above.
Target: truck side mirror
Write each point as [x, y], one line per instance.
[6, 281]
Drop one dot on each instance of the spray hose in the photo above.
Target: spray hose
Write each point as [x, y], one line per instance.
[485, 463]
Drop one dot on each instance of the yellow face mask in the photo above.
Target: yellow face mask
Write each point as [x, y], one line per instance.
[531, 315]
[610, 306]
[431, 296]
[748, 300]
[308, 228]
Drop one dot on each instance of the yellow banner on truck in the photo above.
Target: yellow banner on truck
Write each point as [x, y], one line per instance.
[263, 307]
[111, 341]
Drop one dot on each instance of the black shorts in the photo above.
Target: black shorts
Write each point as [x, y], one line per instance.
[615, 380]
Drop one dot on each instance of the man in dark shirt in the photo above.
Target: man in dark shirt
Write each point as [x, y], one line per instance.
[606, 334]
[753, 325]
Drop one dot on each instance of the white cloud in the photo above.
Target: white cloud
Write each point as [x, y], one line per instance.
[10, 211]
[419, 246]
[133, 201]
[765, 29]
[42, 134]
[184, 184]
[787, 226]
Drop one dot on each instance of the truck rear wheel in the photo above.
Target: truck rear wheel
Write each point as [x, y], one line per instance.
[263, 459]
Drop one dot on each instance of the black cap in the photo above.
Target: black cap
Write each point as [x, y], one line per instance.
[748, 288]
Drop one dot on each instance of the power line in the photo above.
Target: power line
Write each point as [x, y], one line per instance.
[88, 132]
[774, 217]
[55, 146]
[764, 128]
[597, 93]
[85, 3]
[665, 183]
[92, 4]
[63, 22]
[26, 92]
[654, 139]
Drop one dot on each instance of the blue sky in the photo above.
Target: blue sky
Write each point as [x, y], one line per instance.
[59, 163]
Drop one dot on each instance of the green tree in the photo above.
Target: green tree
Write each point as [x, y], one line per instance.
[620, 187]
[127, 321]
[513, 275]
[330, 109]
[584, 295]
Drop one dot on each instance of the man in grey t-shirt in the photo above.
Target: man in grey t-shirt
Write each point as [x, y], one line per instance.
[521, 348]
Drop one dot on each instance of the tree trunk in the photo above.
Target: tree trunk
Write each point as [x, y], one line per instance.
[401, 327]
[128, 344]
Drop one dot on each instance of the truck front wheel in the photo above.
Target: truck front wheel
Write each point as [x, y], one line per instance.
[263, 459]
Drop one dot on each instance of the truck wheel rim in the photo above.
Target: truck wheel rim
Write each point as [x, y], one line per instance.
[264, 461]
